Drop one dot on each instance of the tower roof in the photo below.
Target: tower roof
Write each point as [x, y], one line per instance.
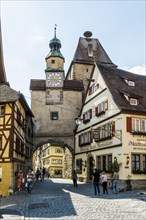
[55, 46]
[98, 53]
[3, 78]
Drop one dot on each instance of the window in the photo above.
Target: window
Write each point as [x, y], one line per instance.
[101, 108]
[130, 82]
[109, 161]
[2, 110]
[139, 163]
[144, 162]
[90, 50]
[79, 165]
[44, 153]
[104, 132]
[104, 162]
[56, 161]
[58, 150]
[85, 138]
[133, 101]
[17, 145]
[93, 88]
[136, 125]
[52, 61]
[74, 75]
[136, 162]
[20, 118]
[0, 142]
[54, 115]
[22, 147]
[58, 172]
[87, 116]
[99, 163]
[143, 125]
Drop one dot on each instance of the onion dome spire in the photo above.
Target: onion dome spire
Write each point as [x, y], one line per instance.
[55, 46]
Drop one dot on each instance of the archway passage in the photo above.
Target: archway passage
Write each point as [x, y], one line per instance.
[53, 143]
[55, 157]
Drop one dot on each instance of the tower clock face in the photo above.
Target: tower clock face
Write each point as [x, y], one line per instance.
[54, 79]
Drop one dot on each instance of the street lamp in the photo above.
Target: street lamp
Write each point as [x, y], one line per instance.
[78, 120]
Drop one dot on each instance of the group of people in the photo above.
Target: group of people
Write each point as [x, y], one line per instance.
[98, 178]
[103, 177]
[29, 180]
[40, 173]
[30, 176]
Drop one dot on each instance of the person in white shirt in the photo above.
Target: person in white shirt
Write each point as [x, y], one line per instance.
[30, 178]
[104, 182]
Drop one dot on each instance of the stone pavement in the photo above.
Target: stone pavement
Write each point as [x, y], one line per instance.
[57, 199]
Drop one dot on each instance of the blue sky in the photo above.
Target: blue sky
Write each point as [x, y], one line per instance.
[28, 26]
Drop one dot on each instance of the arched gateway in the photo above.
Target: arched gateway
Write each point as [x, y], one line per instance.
[62, 161]
[53, 143]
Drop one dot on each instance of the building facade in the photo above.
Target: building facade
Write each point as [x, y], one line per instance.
[16, 145]
[113, 126]
[53, 160]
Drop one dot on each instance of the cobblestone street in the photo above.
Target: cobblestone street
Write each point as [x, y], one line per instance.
[57, 199]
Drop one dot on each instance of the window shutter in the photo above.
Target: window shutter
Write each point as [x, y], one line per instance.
[89, 91]
[79, 140]
[96, 110]
[90, 113]
[106, 105]
[129, 124]
[83, 117]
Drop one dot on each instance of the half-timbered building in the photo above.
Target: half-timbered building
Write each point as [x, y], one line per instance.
[15, 133]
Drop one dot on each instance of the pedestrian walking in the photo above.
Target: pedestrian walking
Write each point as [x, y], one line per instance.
[41, 174]
[30, 178]
[74, 178]
[104, 182]
[20, 180]
[115, 182]
[44, 172]
[95, 181]
[37, 174]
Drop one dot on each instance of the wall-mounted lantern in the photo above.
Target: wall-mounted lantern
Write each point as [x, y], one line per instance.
[78, 120]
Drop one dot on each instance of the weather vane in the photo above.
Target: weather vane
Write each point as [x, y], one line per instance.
[55, 30]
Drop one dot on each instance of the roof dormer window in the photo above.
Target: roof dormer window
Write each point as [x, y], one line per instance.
[130, 82]
[90, 50]
[133, 101]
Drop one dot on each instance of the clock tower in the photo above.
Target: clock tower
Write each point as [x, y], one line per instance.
[54, 72]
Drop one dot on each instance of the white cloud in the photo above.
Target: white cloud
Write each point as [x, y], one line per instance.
[137, 69]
